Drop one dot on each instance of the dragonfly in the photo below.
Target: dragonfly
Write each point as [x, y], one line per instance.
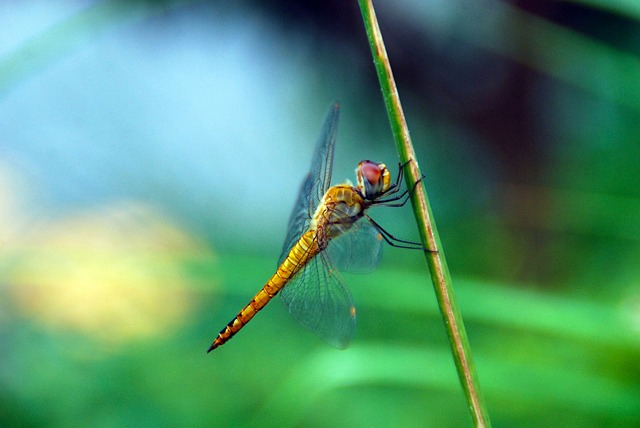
[329, 231]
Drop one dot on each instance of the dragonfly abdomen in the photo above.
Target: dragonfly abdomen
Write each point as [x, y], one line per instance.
[304, 250]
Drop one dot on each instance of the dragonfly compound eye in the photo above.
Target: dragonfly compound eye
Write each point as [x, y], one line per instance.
[371, 172]
[371, 178]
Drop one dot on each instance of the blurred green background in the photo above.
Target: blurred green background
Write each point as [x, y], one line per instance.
[149, 156]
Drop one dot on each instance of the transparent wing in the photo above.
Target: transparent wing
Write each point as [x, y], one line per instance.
[315, 184]
[319, 300]
[358, 250]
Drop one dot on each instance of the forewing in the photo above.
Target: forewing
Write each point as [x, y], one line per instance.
[315, 183]
[319, 300]
[357, 250]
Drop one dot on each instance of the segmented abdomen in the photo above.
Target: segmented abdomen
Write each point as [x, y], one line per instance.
[305, 249]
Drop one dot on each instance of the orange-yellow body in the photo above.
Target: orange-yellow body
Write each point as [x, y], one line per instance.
[341, 206]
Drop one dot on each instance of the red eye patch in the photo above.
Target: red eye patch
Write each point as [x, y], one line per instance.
[371, 172]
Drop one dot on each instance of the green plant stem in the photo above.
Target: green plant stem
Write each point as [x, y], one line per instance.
[435, 256]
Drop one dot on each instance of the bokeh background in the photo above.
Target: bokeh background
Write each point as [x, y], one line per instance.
[149, 156]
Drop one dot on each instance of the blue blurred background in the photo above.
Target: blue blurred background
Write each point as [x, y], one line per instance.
[149, 156]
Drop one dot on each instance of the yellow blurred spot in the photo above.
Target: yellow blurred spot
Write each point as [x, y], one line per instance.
[115, 273]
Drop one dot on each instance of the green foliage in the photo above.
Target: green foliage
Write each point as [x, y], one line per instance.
[539, 353]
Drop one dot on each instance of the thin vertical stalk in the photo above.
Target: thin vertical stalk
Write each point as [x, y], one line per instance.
[434, 254]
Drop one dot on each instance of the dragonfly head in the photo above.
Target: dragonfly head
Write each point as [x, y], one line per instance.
[373, 179]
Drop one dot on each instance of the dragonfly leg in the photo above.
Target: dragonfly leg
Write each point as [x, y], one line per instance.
[395, 187]
[403, 197]
[393, 241]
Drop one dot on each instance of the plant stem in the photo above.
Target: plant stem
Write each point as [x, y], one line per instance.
[434, 254]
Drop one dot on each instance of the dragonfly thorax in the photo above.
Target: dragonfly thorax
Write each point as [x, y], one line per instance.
[341, 206]
[373, 179]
